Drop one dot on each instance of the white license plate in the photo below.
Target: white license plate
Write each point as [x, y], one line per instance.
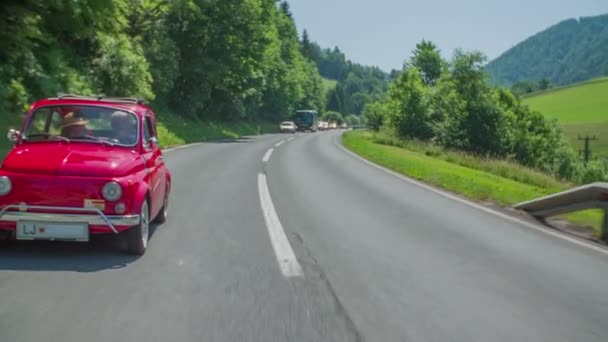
[37, 230]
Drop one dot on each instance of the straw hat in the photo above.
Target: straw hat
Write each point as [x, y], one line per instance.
[71, 120]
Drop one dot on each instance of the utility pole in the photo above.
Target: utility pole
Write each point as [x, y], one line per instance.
[587, 151]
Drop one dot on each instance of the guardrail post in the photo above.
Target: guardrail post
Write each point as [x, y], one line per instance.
[604, 236]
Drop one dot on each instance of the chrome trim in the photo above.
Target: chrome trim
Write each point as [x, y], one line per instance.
[95, 216]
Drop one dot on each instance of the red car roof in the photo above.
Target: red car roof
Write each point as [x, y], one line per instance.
[137, 108]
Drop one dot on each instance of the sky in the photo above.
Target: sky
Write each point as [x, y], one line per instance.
[384, 32]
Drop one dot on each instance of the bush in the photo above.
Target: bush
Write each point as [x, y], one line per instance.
[462, 111]
[595, 171]
[353, 120]
[374, 114]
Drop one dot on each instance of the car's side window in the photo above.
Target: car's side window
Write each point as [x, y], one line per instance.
[147, 132]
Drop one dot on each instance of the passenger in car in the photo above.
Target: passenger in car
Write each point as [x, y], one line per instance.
[125, 130]
[73, 126]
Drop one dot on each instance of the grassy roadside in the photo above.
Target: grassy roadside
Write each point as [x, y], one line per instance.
[172, 130]
[481, 180]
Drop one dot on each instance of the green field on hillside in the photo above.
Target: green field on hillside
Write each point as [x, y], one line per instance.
[581, 109]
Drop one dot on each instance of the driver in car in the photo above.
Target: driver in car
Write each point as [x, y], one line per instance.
[73, 126]
[125, 130]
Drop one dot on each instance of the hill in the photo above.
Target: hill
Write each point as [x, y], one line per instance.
[356, 84]
[569, 52]
[580, 109]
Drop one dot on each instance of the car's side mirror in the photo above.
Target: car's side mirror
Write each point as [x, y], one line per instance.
[13, 135]
[154, 142]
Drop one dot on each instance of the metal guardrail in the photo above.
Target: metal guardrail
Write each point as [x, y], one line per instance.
[590, 196]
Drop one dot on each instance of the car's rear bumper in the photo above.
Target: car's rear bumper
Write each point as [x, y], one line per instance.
[98, 221]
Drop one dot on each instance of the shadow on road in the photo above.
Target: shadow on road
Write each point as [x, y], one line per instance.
[101, 253]
[232, 141]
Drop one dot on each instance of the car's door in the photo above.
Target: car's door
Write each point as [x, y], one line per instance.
[154, 163]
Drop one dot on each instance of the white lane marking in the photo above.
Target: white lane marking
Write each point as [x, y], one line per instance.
[279, 143]
[536, 227]
[288, 263]
[267, 155]
[290, 139]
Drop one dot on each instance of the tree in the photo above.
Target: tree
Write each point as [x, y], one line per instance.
[427, 59]
[306, 47]
[544, 84]
[352, 120]
[374, 114]
[571, 51]
[523, 87]
[285, 8]
[407, 115]
[331, 116]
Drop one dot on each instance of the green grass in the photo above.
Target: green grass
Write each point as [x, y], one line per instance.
[497, 167]
[174, 130]
[581, 109]
[582, 103]
[478, 179]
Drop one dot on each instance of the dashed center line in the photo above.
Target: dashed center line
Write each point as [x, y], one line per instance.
[288, 263]
[279, 143]
[267, 155]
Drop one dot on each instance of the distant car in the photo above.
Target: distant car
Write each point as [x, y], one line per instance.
[333, 125]
[323, 125]
[84, 166]
[288, 127]
[344, 126]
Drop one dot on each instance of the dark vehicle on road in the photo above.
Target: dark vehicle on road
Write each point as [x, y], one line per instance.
[306, 120]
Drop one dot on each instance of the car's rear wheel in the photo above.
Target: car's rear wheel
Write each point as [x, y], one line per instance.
[137, 237]
[163, 214]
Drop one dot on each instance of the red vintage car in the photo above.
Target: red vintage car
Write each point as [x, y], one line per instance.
[83, 166]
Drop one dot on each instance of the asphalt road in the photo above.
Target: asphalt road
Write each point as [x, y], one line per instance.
[332, 249]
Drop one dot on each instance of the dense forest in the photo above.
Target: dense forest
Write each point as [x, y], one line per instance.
[452, 104]
[357, 85]
[216, 59]
[569, 52]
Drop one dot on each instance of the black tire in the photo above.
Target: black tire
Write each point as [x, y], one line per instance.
[163, 214]
[137, 237]
[6, 238]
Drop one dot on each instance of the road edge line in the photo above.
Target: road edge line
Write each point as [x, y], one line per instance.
[540, 228]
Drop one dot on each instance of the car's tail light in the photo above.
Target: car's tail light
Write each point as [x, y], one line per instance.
[112, 191]
[5, 185]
